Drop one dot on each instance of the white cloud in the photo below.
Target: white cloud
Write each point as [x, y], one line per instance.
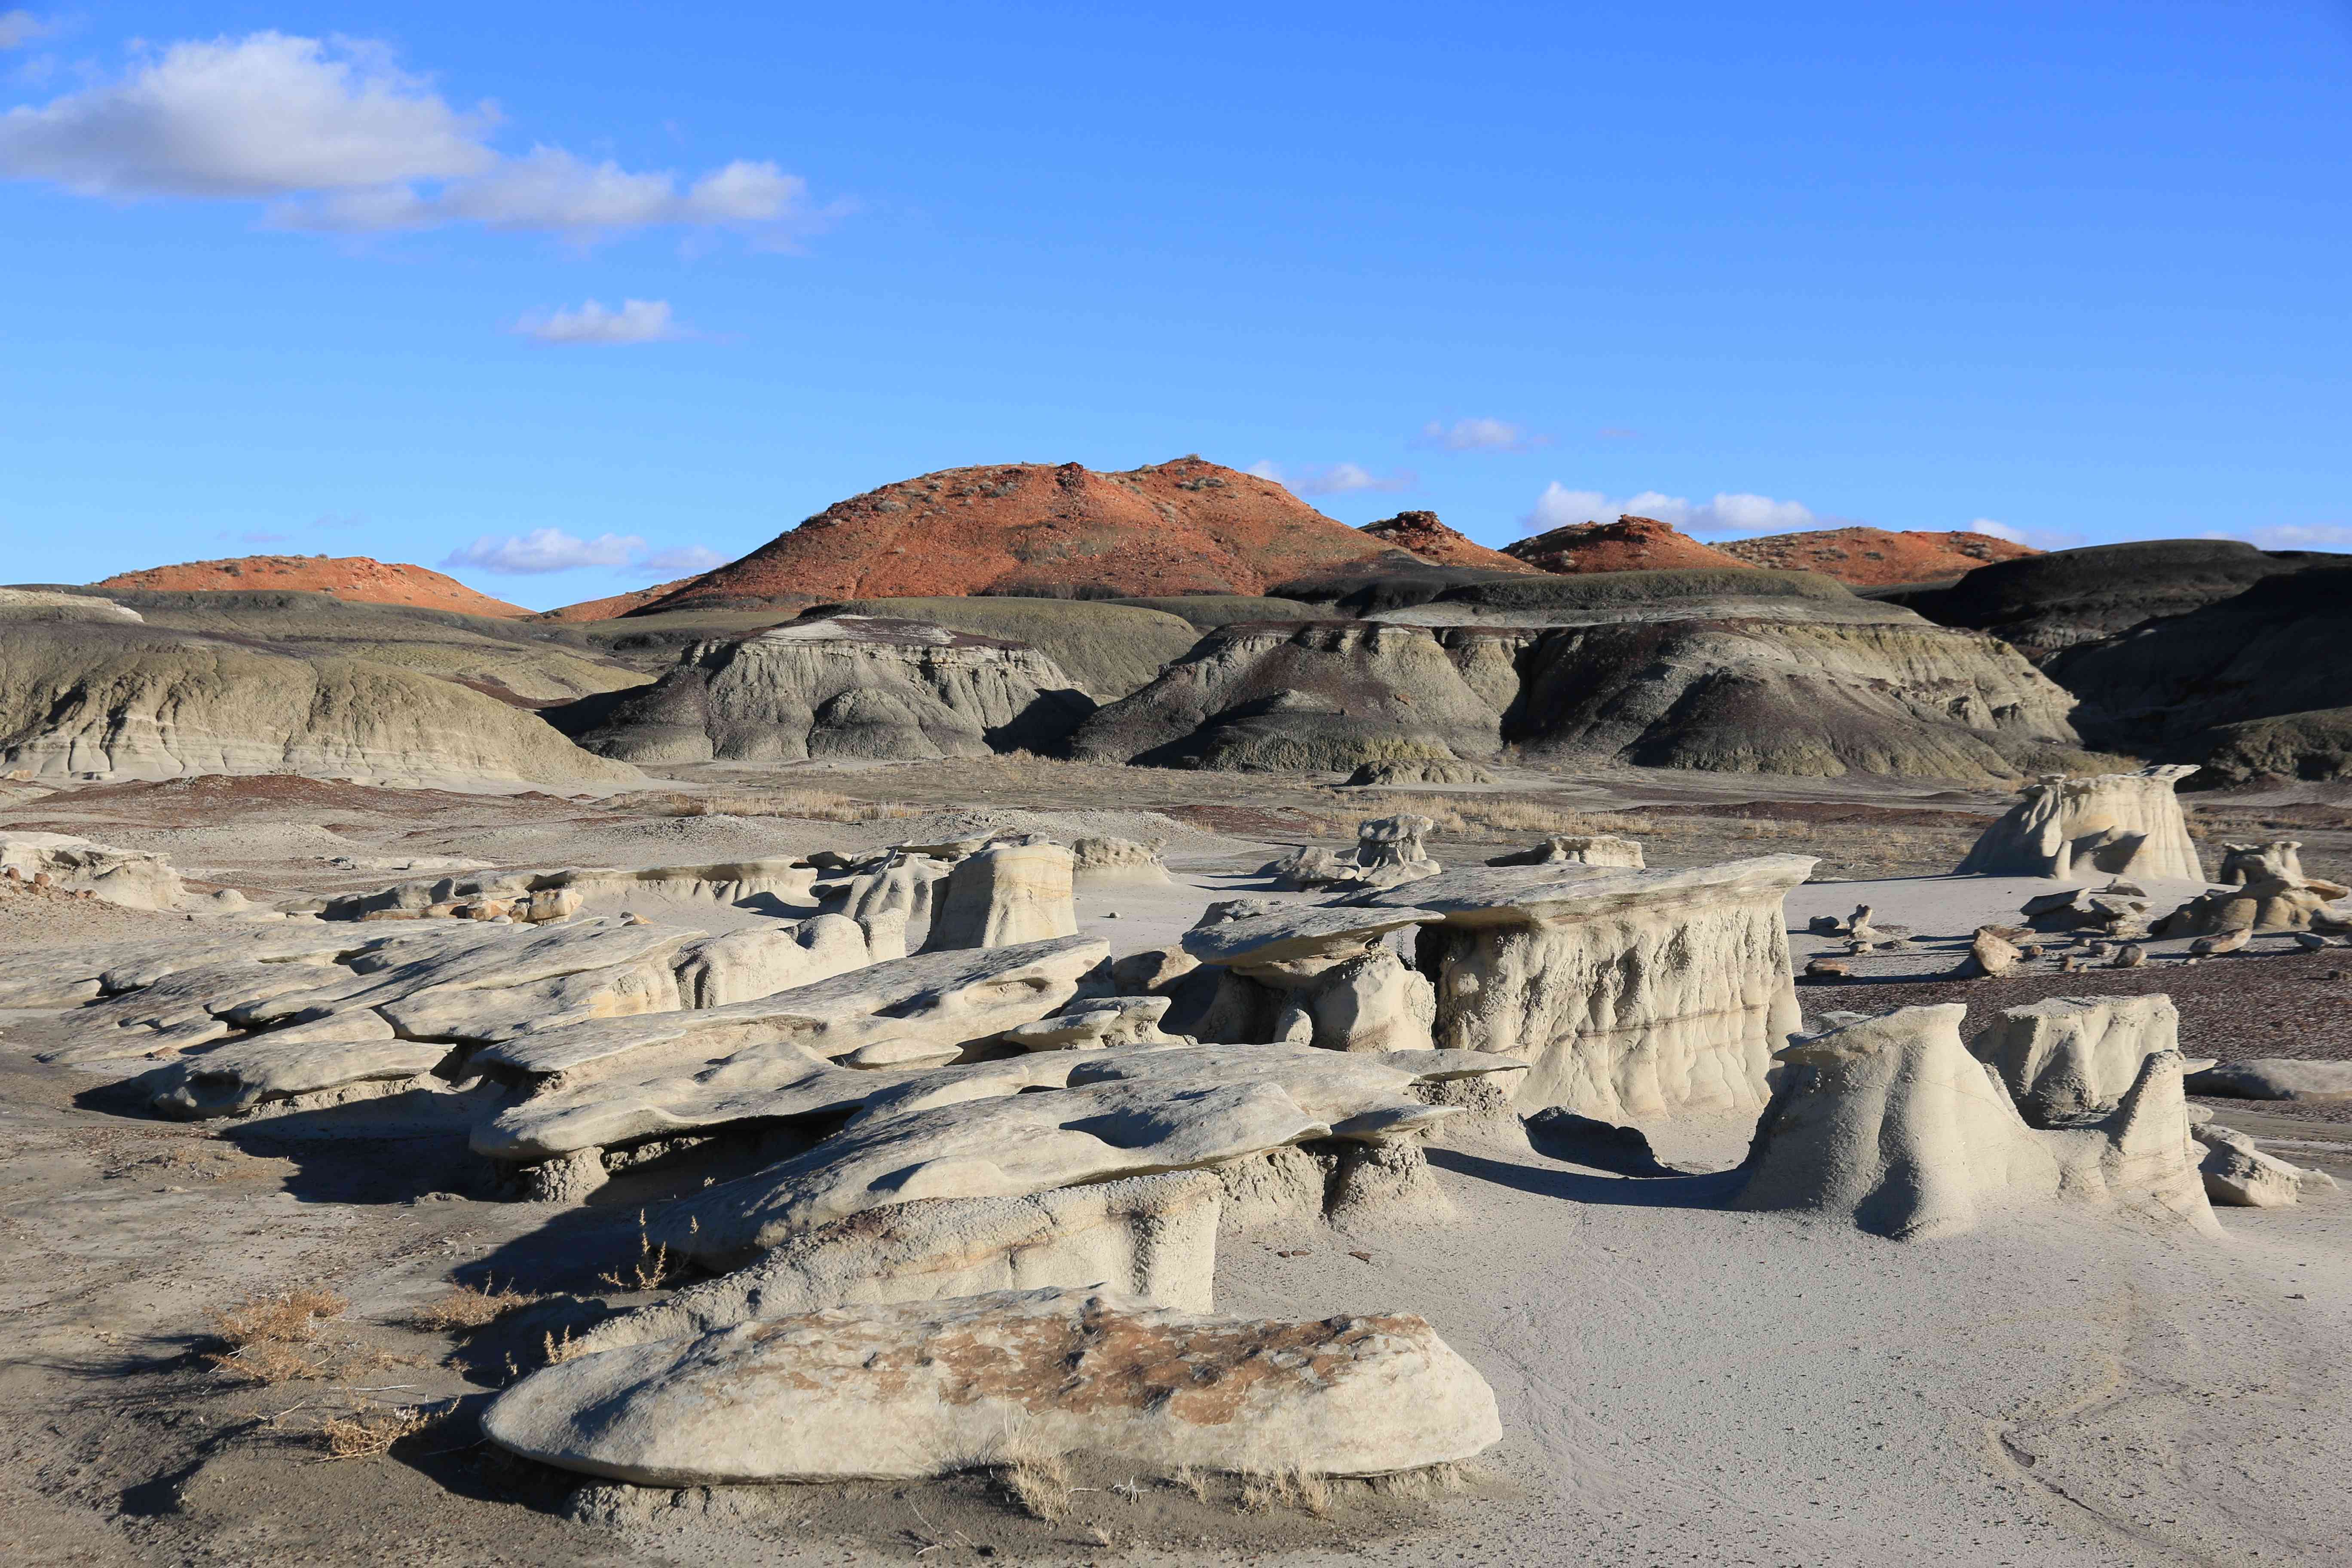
[545, 550]
[2294, 536]
[1480, 436]
[1334, 479]
[685, 561]
[337, 137]
[636, 322]
[19, 29]
[1998, 529]
[1728, 513]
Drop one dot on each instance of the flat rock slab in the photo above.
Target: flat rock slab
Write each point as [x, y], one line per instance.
[1502, 895]
[928, 1388]
[1127, 1111]
[2275, 1077]
[1300, 932]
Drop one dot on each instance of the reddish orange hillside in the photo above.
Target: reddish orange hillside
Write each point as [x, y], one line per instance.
[1873, 557]
[1420, 532]
[610, 609]
[355, 577]
[1628, 544]
[1182, 527]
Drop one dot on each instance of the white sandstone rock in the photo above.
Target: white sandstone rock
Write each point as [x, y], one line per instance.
[1889, 1121]
[1577, 849]
[1631, 993]
[1003, 896]
[131, 878]
[922, 1389]
[2070, 1056]
[2074, 829]
[1153, 1237]
[1103, 862]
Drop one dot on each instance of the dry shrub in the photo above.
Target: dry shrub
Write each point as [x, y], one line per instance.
[267, 1336]
[1035, 1477]
[471, 1307]
[371, 1429]
[559, 1350]
[653, 1268]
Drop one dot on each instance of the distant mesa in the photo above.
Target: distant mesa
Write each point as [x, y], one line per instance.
[1629, 544]
[1184, 527]
[1876, 557]
[1421, 533]
[352, 577]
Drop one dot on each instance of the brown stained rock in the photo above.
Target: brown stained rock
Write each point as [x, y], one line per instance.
[925, 1388]
[1629, 544]
[355, 577]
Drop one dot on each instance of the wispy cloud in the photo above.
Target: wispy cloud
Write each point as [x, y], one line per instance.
[19, 29]
[1728, 513]
[1480, 436]
[636, 322]
[334, 136]
[1616, 432]
[2294, 536]
[545, 550]
[1333, 479]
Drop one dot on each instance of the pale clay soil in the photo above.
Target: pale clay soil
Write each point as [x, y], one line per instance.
[1679, 1384]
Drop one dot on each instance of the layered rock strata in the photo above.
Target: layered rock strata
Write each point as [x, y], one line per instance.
[2074, 829]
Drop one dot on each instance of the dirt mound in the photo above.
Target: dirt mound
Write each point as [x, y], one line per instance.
[1420, 532]
[1876, 557]
[1629, 544]
[346, 577]
[2045, 603]
[616, 606]
[1030, 529]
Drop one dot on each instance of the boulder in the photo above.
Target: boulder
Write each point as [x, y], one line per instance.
[2074, 829]
[2070, 1057]
[1313, 975]
[1577, 849]
[1389, 850]
[1630, 993]
[2269, 903]
[132, 877]
[1100, 862]
[2280, 859]
[1153, 1237]
[758, 960]
[910, 1390]
[836, 685]
[1096, 1024]
[2238, 1174]
[1006, 896]
[1124, 1112]
[1890, 1122]
[1990, 954]
[2275, 1077]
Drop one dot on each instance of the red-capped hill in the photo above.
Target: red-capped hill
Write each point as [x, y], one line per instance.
[1873, 557]
[614, 607]
[1420, 532]
[1182, 527]
[1628, 544]
[355, 577]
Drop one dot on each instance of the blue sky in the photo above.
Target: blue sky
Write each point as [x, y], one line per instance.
[318, 278]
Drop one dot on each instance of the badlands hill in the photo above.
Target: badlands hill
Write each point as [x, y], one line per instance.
[89, 690]
[1876, 557]
[1629, 544]
[346, 577]
[612, 606]
[1421, 533]
[1032, 528]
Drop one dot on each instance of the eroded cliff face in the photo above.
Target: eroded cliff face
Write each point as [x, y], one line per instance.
[846, 685]
[120, 700]
[1813, 698]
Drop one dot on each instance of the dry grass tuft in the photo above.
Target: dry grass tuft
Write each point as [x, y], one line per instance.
[1034, 1477]
[371, 1429]
[471, 1307]
[1191, 1482]
[809, 804]
[1290, 1485]
[268, 1337]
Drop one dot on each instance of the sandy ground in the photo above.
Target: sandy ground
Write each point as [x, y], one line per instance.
[1679, 1383]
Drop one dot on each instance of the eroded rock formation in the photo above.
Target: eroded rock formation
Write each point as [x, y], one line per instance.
[2078, 829]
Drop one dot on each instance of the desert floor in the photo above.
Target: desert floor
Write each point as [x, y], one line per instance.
[1679, 1383]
